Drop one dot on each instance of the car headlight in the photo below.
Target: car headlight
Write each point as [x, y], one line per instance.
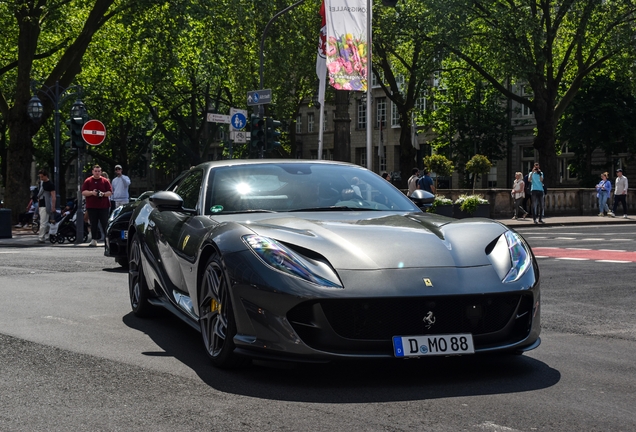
[114, 214]
[510, 257]
[279, 257]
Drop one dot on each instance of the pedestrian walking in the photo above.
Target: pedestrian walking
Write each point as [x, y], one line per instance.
[97, 191]
[426, 182]
[620, 193]
[518, 194]
[535, 177]
[46, 203]
[603, 190]
[412, 182]
[120, 184]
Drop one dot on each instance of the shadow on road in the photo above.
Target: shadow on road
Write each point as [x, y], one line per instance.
[353, 381]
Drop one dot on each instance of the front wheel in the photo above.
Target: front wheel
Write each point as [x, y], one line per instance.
[216, 316]
[137, 285]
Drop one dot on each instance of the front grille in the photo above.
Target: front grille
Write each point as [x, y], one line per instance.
[382, 318]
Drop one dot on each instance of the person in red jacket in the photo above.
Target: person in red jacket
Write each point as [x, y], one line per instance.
[97, 190]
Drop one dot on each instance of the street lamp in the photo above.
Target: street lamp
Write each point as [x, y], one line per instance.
[57, 95]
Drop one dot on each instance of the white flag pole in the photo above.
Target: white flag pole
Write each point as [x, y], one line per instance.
[321, 70]
[369, 102]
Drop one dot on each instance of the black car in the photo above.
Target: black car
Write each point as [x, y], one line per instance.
[286, 259]
[117, 230]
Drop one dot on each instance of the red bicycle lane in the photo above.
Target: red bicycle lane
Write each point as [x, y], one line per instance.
[586, 254]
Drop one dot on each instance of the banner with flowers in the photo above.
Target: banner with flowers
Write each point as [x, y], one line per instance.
[347, 44]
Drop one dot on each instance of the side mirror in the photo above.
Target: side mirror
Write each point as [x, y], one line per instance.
[421, 198]
[165, 200]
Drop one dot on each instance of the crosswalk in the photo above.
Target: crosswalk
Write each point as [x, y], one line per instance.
[584, 254]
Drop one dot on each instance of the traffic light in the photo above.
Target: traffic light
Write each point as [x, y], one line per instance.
[258, 132]
[273, 135]
[75, 125]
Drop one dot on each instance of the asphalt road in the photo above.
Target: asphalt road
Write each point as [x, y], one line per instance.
[73, 357]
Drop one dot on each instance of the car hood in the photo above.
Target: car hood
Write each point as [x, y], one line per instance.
[382, 240]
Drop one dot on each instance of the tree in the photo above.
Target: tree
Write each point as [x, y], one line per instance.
[403, 62]
[471, 117]
[478, 165]
[601, 117]
[552, 46]
[440, 165]
[46, 38]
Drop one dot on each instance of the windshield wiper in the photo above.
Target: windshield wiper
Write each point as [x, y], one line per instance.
[247, 211]
[330, 208]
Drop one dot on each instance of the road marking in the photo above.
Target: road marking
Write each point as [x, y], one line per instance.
[612, 250]
[572, 259]
[60, 319]
[565, 238]
[586, 254]
[9, 252]
[614, 261]
[578, 249]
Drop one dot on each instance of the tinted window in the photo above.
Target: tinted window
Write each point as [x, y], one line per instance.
[189, 189]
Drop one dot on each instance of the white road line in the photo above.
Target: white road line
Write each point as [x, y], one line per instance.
[9, 252]
[573, 259]
[614, 261]
[578, 249]
[549, 247]
[612, 250]
[536, 238]
[594, 239]
[541, 256]
[565, 238]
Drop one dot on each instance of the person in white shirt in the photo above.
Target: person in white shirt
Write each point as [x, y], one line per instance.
[412, 182]
[620, 193]
[120, 187]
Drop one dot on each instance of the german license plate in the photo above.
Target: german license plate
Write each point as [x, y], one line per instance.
[123, 234]
[418, 346]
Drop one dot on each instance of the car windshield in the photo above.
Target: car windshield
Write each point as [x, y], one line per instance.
[296, 187]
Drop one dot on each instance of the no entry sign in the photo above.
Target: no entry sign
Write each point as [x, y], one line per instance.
[94, 132]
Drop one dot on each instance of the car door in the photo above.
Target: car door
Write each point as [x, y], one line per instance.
[170, 226]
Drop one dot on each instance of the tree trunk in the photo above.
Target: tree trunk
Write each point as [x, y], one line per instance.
[545, 143]
[19, 158]
[342, 128]
[407, 151]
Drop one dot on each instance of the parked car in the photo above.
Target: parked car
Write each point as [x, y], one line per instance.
[284, 259]
[117, 230]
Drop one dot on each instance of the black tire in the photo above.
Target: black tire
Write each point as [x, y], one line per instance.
[60, 238]
[137, 286]
[71, 238]
[122, 261]
[53, 238]
[216, 316]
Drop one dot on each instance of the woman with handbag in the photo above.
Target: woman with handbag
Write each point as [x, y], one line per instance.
[518, 194]
[603, 190]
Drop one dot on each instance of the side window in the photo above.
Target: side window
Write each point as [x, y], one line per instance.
[189, 189]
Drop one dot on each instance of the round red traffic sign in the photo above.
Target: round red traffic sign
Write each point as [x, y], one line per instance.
[94, 132]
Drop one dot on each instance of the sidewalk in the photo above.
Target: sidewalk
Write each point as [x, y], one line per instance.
[24, 237]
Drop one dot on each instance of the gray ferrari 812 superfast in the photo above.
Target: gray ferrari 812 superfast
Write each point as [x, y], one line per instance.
[319, 260]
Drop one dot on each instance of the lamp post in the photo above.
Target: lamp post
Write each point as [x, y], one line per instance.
[57, 95]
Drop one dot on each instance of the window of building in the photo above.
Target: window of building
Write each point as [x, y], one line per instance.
[395, 116]
[420, 104]
[527, 158]
[525, 110]
[492, 177]
[362, 114]
[361, 156]
[382, 162]
[380, 112]
[299, 124]
[310, 122]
